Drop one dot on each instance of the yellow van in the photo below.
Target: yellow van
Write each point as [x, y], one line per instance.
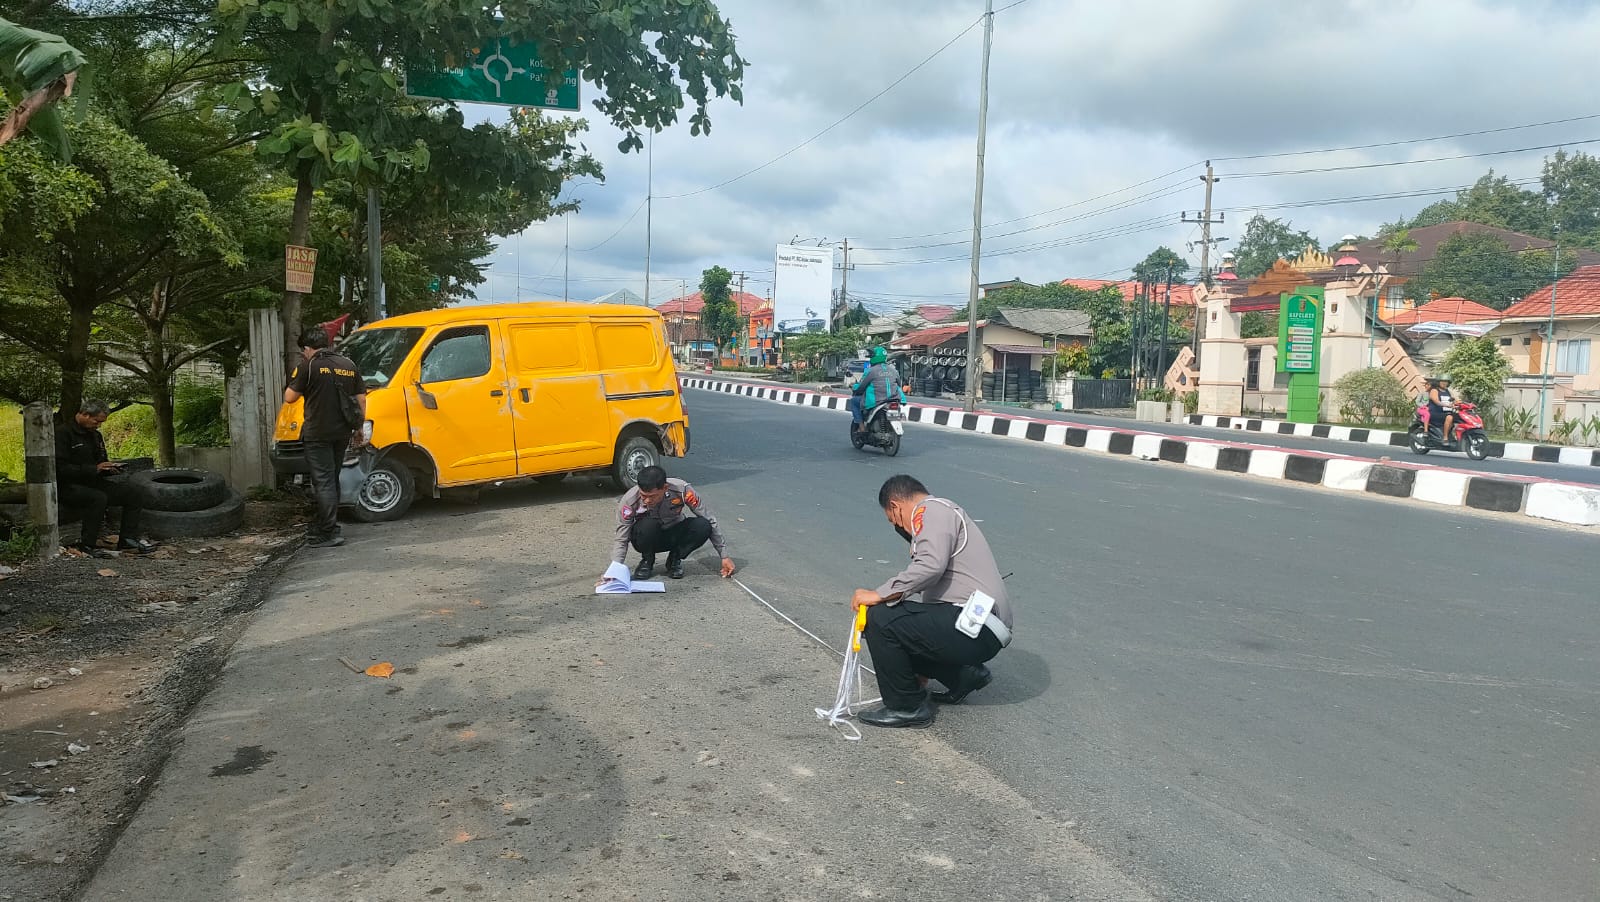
[472, 395]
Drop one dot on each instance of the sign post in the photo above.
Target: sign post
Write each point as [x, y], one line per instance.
[501, 73]
[299, 268]
[1300, 351]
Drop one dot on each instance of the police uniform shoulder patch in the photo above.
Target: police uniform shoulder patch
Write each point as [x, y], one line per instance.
[691, 497]
[625, 512]
[916, 520]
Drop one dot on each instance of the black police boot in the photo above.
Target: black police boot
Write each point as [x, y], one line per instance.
[674, 566]
[972, 679]
[888, 717]
[646, 568]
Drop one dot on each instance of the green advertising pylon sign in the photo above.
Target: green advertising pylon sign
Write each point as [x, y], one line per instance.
[1300, 351]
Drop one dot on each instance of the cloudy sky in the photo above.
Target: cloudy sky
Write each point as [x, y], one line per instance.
[1101, 116]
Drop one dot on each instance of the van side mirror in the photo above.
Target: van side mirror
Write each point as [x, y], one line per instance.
[426, 397]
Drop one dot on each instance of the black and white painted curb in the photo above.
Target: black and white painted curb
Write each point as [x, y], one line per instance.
[1524, 451]
[1546, 500]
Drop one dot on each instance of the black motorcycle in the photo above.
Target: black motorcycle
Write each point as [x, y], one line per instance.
[882, 429]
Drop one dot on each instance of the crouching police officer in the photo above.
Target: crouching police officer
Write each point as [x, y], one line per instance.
[661, 514]
[960, 619]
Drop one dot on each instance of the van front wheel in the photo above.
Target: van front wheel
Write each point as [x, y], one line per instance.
[635, 454]
[386, 493]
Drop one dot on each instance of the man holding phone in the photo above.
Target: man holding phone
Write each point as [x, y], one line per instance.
[85, 478]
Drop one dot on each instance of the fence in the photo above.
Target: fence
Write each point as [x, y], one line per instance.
[1102, 394]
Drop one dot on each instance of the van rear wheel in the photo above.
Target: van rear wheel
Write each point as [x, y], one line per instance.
[635, 454]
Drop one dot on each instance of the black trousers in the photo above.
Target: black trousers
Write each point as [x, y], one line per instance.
[94, 498]
[912, 639]
[678, 541]
[325, 458]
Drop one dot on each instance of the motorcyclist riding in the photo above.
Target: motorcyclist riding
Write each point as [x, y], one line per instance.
[1441, 407]
[878, 385]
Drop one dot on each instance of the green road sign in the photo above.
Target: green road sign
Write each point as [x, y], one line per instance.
[1300, 331]
[502, 73]
[434, 285]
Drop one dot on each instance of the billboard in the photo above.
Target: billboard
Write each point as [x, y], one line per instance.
[802, 290]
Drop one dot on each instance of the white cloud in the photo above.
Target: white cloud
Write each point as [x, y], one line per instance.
[1085, 98]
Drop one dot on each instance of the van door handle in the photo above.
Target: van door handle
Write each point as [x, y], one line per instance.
[497, 393]
[524, 396]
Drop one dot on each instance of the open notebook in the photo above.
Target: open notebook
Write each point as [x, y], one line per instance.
[618, 581]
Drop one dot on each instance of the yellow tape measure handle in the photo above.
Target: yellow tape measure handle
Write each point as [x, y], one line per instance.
[861, 624]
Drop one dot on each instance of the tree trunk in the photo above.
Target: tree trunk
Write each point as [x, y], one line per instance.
[166, 434]
[299, 234]
[75, 357]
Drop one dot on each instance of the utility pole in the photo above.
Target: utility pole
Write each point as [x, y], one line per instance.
[374, 256]
[744, 336]
[649, 208]
[844, 285]
[1206, 222]
[974, 355]
[1161, 367]
[1549, 374]
[566, 258]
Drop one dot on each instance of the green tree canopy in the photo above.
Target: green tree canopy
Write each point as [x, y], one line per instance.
[1161, 263]
[720, 316]
[1265, 241]
[1480, 267]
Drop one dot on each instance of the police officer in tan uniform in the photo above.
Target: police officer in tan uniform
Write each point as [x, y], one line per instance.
[661, 514]
[943, 617]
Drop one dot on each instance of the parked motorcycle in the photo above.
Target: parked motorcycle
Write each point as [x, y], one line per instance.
[1468, 434]
[882, 430]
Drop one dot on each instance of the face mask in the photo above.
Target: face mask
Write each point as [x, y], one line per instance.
[905, 535]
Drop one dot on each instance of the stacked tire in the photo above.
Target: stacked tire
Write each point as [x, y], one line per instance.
[182, 503]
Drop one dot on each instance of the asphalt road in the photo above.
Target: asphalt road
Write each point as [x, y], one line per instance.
[1233, 689]
[1585, 475]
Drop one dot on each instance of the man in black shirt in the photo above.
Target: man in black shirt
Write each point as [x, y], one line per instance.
[86, 478]
[335, 408]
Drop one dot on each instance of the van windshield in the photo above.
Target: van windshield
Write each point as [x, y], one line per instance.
[377, 353]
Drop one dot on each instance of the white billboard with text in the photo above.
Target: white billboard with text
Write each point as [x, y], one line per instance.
[802, 290]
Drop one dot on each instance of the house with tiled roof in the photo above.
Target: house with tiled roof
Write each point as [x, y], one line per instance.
[1574, 302]
[1182, 295]
[682, 315]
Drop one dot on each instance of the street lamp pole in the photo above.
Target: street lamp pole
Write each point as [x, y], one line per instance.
[974, 356]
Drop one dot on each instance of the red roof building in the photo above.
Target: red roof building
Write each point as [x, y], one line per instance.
[1182, 295]
[1446, 310]
[935, 313]
[1576, 295]
[691, 305]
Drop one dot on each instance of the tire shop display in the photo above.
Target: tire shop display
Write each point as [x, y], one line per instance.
[183, 503]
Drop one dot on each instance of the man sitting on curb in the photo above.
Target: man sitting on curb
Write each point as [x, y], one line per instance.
[951, 569]
[88, 479]
[661, 514]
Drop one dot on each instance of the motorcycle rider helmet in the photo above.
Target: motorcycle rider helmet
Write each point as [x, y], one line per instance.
[879, 355]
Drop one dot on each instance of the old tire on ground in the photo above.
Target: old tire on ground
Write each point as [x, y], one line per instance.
[179, 490]
[635, 454]
[386, 494]
[213, 521]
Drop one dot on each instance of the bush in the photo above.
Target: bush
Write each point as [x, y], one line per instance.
[131, 432]
[1164, 395]
[1371, 395]
[200, 413]
[1191, 402]
[1478, 370]
[1072, 359]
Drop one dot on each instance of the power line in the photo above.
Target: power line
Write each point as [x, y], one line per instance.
[585, 250]
[838, 122]
[1486, 131]
[1464, 156]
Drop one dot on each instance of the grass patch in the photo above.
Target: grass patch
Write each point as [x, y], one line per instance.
[10, 445]
[40, 623]
[21, 546]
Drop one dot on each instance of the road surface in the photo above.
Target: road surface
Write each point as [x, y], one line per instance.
[1234, 689]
